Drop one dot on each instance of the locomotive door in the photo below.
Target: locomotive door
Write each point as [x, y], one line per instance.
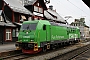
[48, 33]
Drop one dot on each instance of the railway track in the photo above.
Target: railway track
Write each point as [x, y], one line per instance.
[16, 57]
[64, 53]
[51, 55]
[22, 56]
[72, 54]
[74, 57]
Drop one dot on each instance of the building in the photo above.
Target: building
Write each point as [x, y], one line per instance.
[84, 29]
[52, 15]
[5, 28]
[87, 2]
[40, 10]
[11, 15]
[14, 12]
[37, 7]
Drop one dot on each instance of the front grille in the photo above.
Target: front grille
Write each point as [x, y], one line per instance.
[28, 46]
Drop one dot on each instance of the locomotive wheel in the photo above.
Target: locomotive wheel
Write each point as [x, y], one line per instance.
[53, 47]
[67, 43]
[44, 49]
[70, 42]
[76, 41]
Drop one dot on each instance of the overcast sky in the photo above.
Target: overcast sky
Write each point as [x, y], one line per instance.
[74, 8]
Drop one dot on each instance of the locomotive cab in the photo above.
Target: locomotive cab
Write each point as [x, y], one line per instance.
[31, 34]
[26, 38]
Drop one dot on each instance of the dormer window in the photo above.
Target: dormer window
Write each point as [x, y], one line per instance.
[40, 10]
[38, 4]
[1, 18]
[36, 8]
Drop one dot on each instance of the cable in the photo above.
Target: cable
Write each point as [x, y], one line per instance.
[66, 8]
[80, 9]
[69, 9]
[77, 7]
[72, 11]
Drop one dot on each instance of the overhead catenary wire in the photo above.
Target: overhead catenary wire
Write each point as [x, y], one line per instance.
[73, 11]
[77, 7]
[76, 12]
[80, 9]
[65, 7]
[68, 9]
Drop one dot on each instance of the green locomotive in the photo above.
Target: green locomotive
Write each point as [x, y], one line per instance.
[38, 35]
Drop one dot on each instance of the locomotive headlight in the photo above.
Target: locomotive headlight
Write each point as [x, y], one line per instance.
[31, 40]
[26, 32]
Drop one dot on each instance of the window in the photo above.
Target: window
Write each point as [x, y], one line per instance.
[40, 10]
[38, 4]
[76, 24]
[14, 35]
[31, 26]
[15, 32]
[36, 8]
[8, 34]
[1, 18]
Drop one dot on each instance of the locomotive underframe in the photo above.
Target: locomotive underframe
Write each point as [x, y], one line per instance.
[45, 45]
[27, 46]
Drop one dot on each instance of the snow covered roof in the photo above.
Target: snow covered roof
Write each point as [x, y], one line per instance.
[17, 7]
[49, 14]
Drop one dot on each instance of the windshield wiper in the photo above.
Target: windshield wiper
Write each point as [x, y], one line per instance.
[28, 27]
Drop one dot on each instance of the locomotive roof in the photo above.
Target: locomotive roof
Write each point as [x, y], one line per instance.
[52, 23]
[64, 25]
[35, 21]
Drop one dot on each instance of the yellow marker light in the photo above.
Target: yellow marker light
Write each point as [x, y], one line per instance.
[17, 48]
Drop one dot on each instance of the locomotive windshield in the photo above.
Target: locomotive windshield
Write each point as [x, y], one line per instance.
[31, 26]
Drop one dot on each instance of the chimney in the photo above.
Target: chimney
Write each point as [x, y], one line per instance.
[51, 7]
